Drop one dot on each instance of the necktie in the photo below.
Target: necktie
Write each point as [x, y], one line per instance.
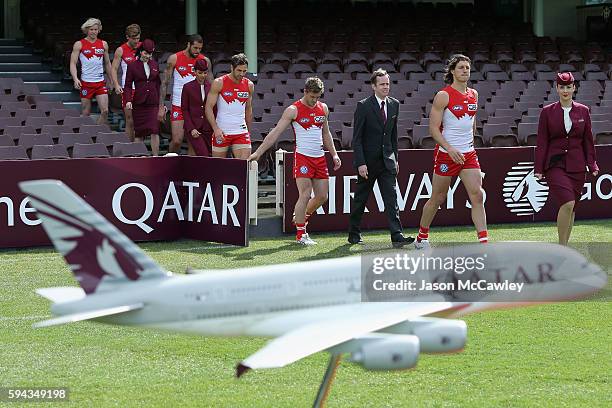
[382, 112]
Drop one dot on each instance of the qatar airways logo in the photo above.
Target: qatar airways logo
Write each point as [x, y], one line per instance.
[523, 193]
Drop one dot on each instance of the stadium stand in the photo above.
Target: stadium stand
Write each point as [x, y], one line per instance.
[513, 70]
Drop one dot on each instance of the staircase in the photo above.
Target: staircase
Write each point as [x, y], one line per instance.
[17, 59]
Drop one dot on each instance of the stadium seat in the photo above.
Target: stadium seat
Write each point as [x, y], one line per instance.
[28, 140]
[57, 151]
[14, 106]
[6, 140]
[13, 153]
[286, 141]
[69, 139]
[496, 120]
[16, 131]
[344, 117]
[82, 151]
[347, 137]
[77, 122]
[47, 107]
[530, 119]
[261, 128]
[38, 122]
[93, 130]
[499, 135]
[59, 115]
[527, 133]
[602, 131]
[130, 149]
[421, 138]
[108, 138]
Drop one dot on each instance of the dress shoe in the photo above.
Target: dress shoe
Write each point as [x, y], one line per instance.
[401, 240]
[355, 239]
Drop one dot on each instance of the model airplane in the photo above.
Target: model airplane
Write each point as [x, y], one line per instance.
[306, 307]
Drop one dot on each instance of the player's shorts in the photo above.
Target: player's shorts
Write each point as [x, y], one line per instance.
[176, 113]
[240, 141]
[310, 167]
[91, 89]
[445, 166]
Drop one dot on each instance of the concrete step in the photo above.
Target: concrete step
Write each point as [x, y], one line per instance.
[30, 76]
[52, 86]
[73, 105]
[11, 41]
[267, 196]
[268, 225]
[15, 49]
[62, 96]
[9, 58]
[21, 66]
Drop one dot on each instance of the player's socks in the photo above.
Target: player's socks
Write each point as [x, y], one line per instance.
[483, 237]
[423, 234]
[305, 219]
[301, 230]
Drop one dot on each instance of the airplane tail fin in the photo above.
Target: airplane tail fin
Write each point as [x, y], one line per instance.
[99, 255]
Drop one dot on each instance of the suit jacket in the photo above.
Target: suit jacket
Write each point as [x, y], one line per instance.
[147, 89]
[577, 146]
[375, 142]
[192, 106]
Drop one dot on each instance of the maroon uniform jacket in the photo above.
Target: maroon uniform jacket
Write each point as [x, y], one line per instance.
[553, 141]
[192, 106]
[147, 89]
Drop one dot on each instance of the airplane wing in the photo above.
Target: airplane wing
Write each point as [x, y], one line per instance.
[76, 317]
[320, 336]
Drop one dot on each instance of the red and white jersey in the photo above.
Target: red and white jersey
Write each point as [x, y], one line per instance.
[231, 105]
[458, 120]
[128, 56]
[92, 60]
[308, 129]
[183, 73]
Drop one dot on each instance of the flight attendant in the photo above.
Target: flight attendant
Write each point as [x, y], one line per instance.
[565, 152]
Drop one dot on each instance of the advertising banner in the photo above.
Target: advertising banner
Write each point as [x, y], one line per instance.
[512, 193]
[147, 198]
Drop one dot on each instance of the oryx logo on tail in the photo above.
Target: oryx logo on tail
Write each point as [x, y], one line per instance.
[96, 251]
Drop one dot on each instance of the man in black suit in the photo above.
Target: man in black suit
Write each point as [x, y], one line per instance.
[375, 157]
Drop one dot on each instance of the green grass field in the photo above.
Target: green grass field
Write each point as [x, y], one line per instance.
[550, 355]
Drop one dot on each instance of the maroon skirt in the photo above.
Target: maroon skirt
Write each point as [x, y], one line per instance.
[145, 120]
[565, 186]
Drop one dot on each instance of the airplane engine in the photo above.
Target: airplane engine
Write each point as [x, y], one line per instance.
[397, 352]
[435, 335]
